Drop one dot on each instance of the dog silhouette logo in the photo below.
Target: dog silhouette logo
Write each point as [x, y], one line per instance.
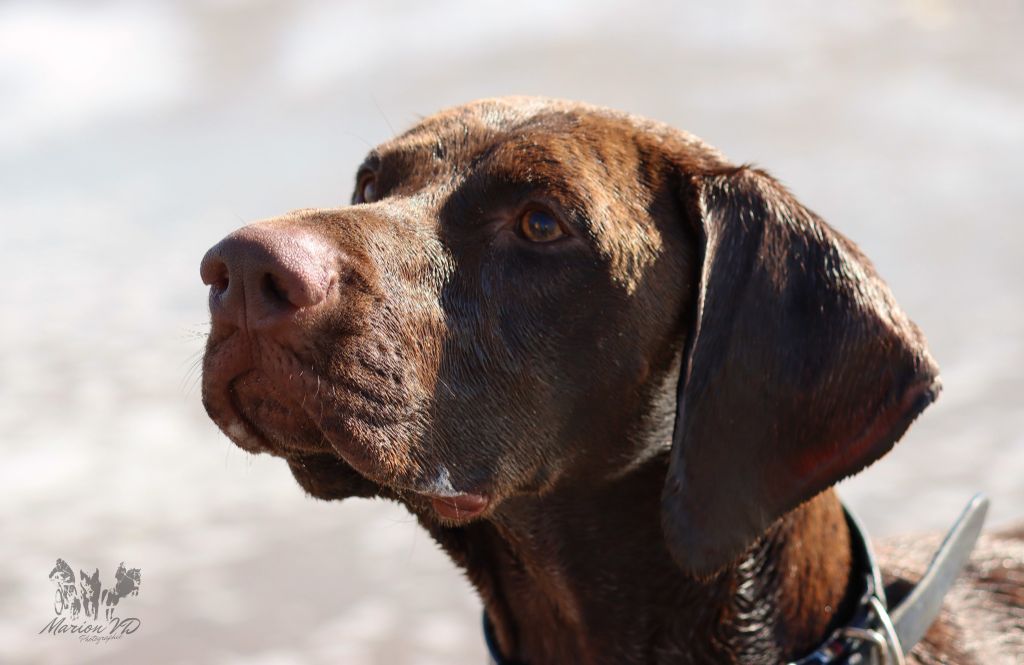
[77, 603]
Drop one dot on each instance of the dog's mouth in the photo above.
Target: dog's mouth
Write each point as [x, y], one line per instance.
[259, 397]
[272, 418]
[267, 401]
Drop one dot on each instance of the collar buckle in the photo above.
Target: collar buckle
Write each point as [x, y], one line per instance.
[885, 643]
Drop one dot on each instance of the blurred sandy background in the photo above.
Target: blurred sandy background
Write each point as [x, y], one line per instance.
[134, 135]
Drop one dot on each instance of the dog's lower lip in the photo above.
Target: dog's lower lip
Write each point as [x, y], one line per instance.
[460, 506]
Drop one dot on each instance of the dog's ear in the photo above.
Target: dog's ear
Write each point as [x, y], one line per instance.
[800, 369]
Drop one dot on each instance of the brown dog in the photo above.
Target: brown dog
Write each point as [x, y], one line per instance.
[613, 374]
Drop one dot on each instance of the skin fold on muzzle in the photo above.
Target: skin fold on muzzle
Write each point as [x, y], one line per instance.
[539, 323]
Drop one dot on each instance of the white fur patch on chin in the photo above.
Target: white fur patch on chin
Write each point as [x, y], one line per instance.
[236, 432]
[442, 484]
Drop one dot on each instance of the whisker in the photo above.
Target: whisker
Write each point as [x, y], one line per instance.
[196, 331]
[382, 114]
[192, 375]
[359, 138]
[446, 387]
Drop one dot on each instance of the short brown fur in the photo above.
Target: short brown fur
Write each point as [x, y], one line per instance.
[653, 407]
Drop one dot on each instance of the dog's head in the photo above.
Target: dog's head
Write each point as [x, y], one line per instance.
[90, 584]
[526, 292]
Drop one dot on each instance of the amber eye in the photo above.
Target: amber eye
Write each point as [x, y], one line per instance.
[366, 188]
[539, 226]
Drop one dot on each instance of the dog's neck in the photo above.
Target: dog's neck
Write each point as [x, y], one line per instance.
[582, 575]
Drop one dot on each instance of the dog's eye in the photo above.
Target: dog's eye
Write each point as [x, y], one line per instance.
[539, 226]
[366, 188]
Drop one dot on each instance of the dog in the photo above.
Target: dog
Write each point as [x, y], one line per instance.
[612, 373]
[90, 592]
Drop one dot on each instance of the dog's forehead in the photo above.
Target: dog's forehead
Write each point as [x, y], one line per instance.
[545, 131]
[601, 162]
[459, 136]
[615, 170]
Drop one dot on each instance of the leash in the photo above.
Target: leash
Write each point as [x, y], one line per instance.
[875, 635]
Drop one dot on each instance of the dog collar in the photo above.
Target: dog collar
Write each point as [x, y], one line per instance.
[874, 635]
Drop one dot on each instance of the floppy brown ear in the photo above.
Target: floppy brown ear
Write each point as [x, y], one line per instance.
[800, 369]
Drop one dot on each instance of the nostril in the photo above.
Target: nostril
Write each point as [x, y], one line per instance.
[218, 279]
[220, 284]
[214, 272]
[274, 291]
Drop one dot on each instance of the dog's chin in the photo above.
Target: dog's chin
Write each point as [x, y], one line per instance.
[328, 477]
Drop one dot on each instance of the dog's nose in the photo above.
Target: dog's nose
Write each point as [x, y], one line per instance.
[261, 276]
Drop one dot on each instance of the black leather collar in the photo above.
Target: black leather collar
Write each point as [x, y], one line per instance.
[874, 635]
[492, 644]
